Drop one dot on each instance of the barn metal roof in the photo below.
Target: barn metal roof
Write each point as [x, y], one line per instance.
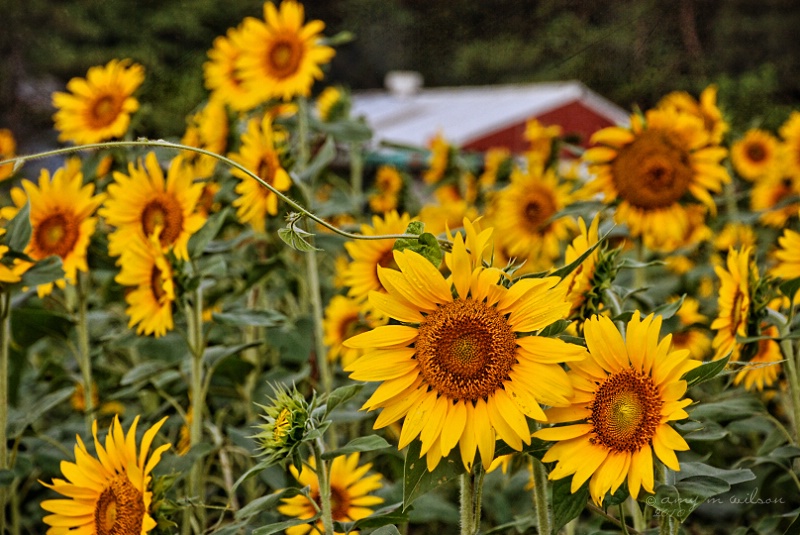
[463, 114]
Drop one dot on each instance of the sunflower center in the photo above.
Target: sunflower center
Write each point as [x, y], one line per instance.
[164, 213]
[56, 235]
[466, 349]
[283, 58]
[756, 153]
[157, 284]
[652, 172]
[340, 503]
[104, 111]
[626, 411]
[267, 167]
[120, 509]
[737, 316]
[538, 211]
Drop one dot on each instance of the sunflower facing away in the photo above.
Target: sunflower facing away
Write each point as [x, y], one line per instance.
[61, 219]
[626, 394]
[654, 168]
[459, 370]
[350, 488]
[260, 152]
[704, 108]
[281, 56]
[734, 303]
[98, 107]
[754, 154]
[143, 202]
[580, 280]
[108, 494]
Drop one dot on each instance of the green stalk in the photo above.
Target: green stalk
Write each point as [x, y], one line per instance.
[194, 320]
[5, 339]
[544, 520]
[314, 290]
[356, 169]
[468, 526]
[84, 357]
[324, 486]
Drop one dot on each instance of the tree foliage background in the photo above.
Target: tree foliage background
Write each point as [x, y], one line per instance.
[632, 52]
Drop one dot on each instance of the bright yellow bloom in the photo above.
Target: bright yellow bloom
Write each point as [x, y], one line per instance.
[460, 370]
[350, 488]
[734, 303]
[735, 234]
[705, 108]
[651, 168]
[763, 368]
[206, 129]
[770, 192]
[143, 203]
[98, 107]
[345, 317]
[8, 148]
[260, 152]
[222, 77]
[754, 154]
[494, 162]
[388, 183]
[626, 394]
[332, 104]
[788, 256]
[439, 160]
[692, 336]
[580, 280]
[281, 56]
[541, 139]
[110, 493]
[7, 274]
[790, 133]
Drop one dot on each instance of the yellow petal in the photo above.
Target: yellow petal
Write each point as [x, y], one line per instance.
[566, 432]
[484, 433]
[453, 426]
[383, 336]
[415, 419]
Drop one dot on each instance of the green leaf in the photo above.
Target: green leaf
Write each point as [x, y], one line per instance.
[18, 421]
[417, 481]
[679, 500]
[536, 448]
[556, 328]
[6, 477]
[201, 238]
[567, 505]
[324, 156]
[341, 395]
[19, 229]
[425, 244]
[213, 355]
[347, 131]
[790, 287]
[726, 410]
[732, 477]
[257, 469]
[390, 514]
[569, 268]
[268, 502]
[144, 371]
[667, 310]
[360, 444]
[246, 318]
[387, 530]
[46, 270]
[296, 238]
[706, 371]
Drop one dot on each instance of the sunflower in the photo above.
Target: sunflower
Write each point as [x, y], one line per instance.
[280, 56]
[345, 317]
[98, 107]
[734, 303]
[8, 148]
[691, 336]
[580, 280]
[145, 267]
[705, 108]
[61, 219]
[142, 203]
[207, 129]
[763, 368]
[790, 134]
[388, 183]
[787, 256]
[222, 77]
[626, 394]
[754, 154]
[439, 161]
[525, 217]
[651, 168]
[333, 104]
[497, 164]
[441, 216]
[361, 275]
[459, 370]
[350, 488]
[769, 194]
[735, 234]
[110, 493]
[7, 274]
[260, 152]
[541, 140]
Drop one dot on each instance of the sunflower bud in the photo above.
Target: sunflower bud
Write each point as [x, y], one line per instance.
[287, 424]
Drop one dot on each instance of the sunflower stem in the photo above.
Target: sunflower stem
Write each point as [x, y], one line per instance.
[5, 339]
[84, 358]
[194, 320]
[324, 485]
[787, 348]
[356, 169]
[468, 504]
[315, 297]
[544, 519]
[731, 208]
[303, 152]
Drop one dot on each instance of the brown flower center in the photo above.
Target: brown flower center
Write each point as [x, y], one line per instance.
[538, 209]
[165, 213]
[120, 509]
[105, 111]
[57, 235]
[283, 57]
[626, 411]
[756, 152]
[157, 284]
[653, 171]
[466, 349]
[340, 503]
[268, 166]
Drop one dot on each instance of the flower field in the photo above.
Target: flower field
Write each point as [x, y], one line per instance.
[256, 329]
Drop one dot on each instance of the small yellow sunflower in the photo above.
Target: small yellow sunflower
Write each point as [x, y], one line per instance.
[580, 280]
[497, 163]
[361, 275]
[626, 394]
[350, 488]
[439, 160]
[261, 151]
[150, 302]
[98, 107]
[459, 370]
[662, 163]
[541, 139]
[143, 203]
[206, 129]
[7, 274]
[333, 104]
[388, 183]
[763, 368]
[281, 56]
[109, 494]
[735, 234]
[221, 75]
[8, 148]
[705, 108]
[441, 216]
[787, 256]
[754, 154]
[734, 303]
[345, 317]
[790, 134]
[524, 217]
[692, 335]
[61, 219]
[769, 194]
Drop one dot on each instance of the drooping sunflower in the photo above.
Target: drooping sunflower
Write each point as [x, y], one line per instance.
[221, 75]
[61, 219]
[734, 303]
[350, 498]
[98, 107]
[8, 149]
[143, 202]
[626, 394]
[109, 494]
[763, 368]
[207, 129]
[145, 267]
[281, 56]
[656, 167]
[459, 370]
[260, 152]
[705, 108]
[344, 318]
[754, 154]
[523, 217]
[361, 274]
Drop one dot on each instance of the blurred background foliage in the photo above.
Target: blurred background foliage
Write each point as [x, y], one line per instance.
[630, 51]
